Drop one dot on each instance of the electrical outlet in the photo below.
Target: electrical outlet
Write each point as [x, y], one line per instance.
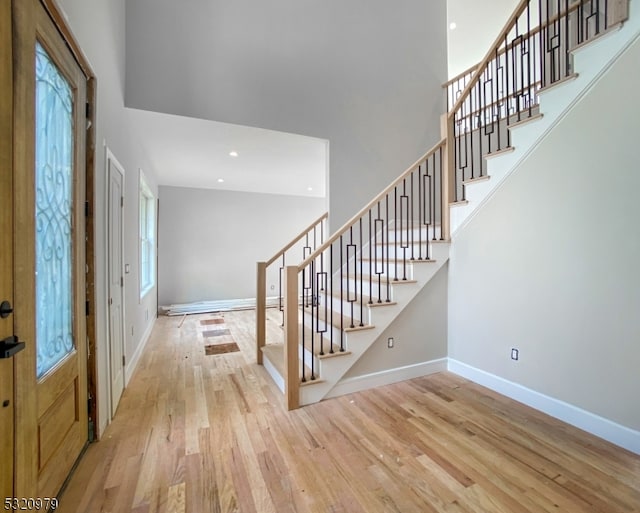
[390, 342]
[515, 353]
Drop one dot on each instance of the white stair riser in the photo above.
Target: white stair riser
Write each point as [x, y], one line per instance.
[357, 342]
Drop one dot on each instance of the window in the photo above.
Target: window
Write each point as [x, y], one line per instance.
[147, 238]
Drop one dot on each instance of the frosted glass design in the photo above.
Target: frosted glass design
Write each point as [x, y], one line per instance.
[54, 207]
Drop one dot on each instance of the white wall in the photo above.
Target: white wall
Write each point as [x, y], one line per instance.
[478, 25]
[99, 28]
[419, 333]
[210, 240]
[550, 264]
[364, 74]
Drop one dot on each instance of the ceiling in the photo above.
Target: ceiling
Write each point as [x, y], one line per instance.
[190, 152]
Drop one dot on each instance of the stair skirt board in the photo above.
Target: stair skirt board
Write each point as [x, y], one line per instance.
[387, 377]
[603, 428]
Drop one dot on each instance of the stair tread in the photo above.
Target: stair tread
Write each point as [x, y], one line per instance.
[411, 261]
[524, 121]
[497, 153]
[470, 181]
[368, 301]
[326, 345]
[392, 281]
[346, 321]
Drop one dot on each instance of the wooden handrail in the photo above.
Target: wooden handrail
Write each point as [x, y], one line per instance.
[489, 56]
[460, 75]
[296, 239]
[366, 208]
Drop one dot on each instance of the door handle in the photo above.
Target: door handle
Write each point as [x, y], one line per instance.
[5, 309]
[10, 346]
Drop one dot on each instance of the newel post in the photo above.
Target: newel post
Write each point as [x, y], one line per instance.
[261, 309]
[448, 175]
[291, 340]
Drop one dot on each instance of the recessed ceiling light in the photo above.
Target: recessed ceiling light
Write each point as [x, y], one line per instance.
[309, 188]
[220, 180]
[453, 25]
[233, 153]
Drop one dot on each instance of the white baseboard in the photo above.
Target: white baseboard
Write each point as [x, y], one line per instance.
[387, 377]
[599, 426]
[133, 363]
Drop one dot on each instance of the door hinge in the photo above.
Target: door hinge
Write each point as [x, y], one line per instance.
[87, 307]
[121, 281]
[88, 110]
[123, 360]
[86, 209]
[122, 201]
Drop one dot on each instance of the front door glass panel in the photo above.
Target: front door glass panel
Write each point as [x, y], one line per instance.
[53, 215]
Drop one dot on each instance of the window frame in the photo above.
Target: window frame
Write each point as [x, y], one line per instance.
[146, 237]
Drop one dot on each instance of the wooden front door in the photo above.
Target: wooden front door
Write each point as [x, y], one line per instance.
[6, 251]
[48, 197]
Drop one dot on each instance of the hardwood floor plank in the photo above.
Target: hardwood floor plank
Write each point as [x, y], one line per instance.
[199, 434]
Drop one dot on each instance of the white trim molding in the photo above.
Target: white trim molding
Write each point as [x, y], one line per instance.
[387, 377]
[133, 363]
[599, 426]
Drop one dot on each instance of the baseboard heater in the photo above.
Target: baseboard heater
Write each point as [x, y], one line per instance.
[222, 305]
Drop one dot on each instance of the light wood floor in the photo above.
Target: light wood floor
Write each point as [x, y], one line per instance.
[206, 434]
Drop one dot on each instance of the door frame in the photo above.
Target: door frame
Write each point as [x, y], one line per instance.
[110, 157]
[25, 478]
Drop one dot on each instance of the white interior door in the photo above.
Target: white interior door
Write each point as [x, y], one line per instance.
[115, 203]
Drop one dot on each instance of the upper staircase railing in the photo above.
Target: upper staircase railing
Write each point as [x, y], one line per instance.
[532, 52]
[299, 248]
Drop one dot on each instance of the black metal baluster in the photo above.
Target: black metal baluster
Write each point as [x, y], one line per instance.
[480, 127]
[304, 325]
[443, 204]
[314, 312]
[331, 298]
[372, 241]
[456, 155]
[404, 227]
[530, 49]
[541, 39]
[420, 206]
[379, 269]
[505, 84]
[280, 282]
[395, 230]
[322, 285]
[386, 246]
[412, 234]
[342, 296]
[361, 278]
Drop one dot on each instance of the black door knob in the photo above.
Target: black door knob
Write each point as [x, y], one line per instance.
[5, 309]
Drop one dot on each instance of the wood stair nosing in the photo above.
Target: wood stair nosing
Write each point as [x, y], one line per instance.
[346, 325]
[367, 300]
[319, 342]
[392, 281]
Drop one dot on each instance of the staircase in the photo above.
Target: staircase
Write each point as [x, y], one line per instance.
[350, 287]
